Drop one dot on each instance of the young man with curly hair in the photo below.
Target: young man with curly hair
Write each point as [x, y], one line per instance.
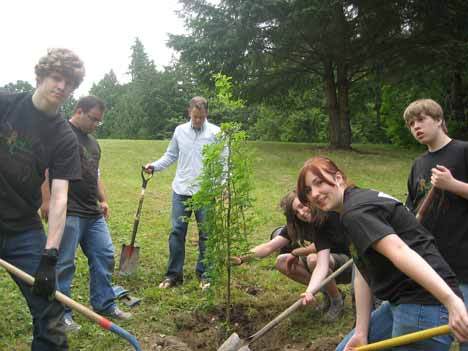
[34, 137]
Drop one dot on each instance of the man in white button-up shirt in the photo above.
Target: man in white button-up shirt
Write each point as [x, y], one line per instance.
[186, 147]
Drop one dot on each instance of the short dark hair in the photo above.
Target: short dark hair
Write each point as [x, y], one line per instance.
[198, 102]
[87, 103]
[63, 61]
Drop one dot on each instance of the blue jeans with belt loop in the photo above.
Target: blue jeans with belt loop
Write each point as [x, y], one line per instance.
[175, 269]
[24, 251]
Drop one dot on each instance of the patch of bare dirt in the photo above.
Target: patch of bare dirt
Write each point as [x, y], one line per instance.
[203, 330]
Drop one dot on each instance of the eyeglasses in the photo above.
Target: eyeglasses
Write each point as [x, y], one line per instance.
[95, 120]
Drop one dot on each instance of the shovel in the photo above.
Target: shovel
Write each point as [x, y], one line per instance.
[405, 339]
[131, 253]
[64, 299]
[421, 212]
[235, 343]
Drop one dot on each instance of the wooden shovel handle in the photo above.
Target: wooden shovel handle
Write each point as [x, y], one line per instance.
[425, 204]
[297, 304]
[58, 295]
[405, 339]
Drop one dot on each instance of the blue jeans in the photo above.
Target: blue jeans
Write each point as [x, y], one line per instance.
[391, 320]
[464, 290]
[92, 234]
[24, 251]
[175, 268]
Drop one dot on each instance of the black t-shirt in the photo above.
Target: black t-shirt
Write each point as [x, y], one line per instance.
[369, 216]
[30, 142]
[307, 240]
[330, 235]
[327, 235]
[447, 215]
[83, 194]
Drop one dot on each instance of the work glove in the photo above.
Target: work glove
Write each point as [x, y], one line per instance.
[45, 278]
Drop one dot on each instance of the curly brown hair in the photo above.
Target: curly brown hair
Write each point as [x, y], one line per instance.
[63, 61]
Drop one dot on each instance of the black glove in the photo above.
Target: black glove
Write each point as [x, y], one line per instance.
[45, 279]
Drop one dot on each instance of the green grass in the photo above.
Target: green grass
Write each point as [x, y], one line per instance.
[183, 311]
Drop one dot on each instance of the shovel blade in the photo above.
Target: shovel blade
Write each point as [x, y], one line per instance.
[129, 259]
[233, 343]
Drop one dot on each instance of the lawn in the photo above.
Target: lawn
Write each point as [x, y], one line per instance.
[186, 312]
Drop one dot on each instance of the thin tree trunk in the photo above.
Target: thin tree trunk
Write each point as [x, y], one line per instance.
[332, 105]
[457, 97]
[343, 106]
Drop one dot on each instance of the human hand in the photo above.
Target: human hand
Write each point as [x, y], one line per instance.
[308, 298]
[44, 211]
[235, 260]
[458, 318]
[105, 209]
[441, 177]
[45, 277]
[148, 168]
[291, 261]
[355, 341]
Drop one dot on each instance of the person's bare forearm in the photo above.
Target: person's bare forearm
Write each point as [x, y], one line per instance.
[57, 212]
[267, 248]
[363, 297]
[459, 188]
[305, 251]
[321, 270]
[102, 197]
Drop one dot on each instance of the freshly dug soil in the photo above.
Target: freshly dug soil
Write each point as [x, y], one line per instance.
[202, 331]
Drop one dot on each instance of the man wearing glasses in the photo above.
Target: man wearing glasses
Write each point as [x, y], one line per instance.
[87, 212]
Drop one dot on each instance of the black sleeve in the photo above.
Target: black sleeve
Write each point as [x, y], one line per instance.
[365, 226]
[466, 154]
[66, 159]
[284, 233]
[411, 192]
[323, 234]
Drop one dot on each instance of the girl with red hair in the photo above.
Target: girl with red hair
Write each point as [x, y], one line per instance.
[396, 259]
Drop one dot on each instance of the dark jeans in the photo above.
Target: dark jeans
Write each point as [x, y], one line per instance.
[175, 269]
[24, 251]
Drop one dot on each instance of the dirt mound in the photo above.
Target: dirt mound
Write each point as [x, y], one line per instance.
[204, 330]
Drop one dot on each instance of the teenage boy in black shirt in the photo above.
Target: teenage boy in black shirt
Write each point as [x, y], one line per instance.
[34, 137]
[396, 258]
[87, 212]
[445, 166]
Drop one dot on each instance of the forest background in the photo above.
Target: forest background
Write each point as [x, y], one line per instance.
[337, 72]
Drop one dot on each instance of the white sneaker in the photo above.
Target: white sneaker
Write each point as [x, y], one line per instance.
[70, 325]
[117, 313]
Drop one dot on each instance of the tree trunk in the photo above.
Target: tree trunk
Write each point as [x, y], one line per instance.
[457, 97]
[343, 105]
[332, 105]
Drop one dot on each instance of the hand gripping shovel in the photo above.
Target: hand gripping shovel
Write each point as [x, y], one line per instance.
[103, 322]
[130, 253]
[235, 343]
